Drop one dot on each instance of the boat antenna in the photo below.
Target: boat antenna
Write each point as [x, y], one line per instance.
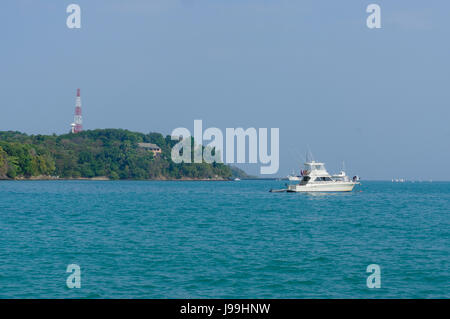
[298, 154]
[309, 156]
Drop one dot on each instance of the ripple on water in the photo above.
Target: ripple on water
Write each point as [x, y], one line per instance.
[223, 240]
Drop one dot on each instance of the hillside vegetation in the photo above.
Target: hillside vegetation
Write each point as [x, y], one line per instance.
[111, 153]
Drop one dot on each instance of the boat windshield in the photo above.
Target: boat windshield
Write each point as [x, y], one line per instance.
[323, 179]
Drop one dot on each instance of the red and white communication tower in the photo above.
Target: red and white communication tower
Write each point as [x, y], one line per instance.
[77, 125]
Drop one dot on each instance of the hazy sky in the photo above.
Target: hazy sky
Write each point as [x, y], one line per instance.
[377, 99]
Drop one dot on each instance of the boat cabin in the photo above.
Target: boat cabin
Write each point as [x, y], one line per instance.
[315, 172]
[315, 168]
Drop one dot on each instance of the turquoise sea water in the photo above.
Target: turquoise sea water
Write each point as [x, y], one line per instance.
[141, 239]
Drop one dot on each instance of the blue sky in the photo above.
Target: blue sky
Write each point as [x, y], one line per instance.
[377, 99]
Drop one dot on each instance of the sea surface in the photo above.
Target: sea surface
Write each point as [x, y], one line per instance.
[159, 239]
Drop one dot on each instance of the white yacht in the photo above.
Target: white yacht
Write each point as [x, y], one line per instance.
[317, 179]
[342, 176]
[294, 177]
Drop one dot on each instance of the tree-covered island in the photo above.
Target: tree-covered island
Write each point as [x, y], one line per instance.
[100, 154]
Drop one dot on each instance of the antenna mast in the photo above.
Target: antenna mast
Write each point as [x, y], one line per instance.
[77, 125]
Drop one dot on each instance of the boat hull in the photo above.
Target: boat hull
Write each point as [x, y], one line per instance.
[328, 187]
